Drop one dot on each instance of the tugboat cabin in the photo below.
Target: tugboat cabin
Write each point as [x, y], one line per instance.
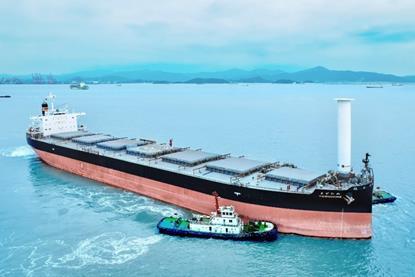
[224, 221]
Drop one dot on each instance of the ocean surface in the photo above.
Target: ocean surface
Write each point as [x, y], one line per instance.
[56, 224]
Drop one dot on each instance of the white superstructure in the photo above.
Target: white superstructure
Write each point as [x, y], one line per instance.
[224, 221]
[53, 121]
[344, 135]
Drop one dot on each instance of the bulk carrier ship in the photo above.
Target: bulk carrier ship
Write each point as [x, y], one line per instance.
[333, 204]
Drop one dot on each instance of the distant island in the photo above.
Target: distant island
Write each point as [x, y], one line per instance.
[317, 74]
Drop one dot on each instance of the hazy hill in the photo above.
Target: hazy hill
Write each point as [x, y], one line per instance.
[322, 74]
[207, 81]
[317, 74]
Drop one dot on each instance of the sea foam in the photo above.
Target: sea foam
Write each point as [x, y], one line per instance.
[124, 203]
[20, 151]
[107, 249]
[112, 248]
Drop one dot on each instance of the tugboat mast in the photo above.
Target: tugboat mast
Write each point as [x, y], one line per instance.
[216, 201]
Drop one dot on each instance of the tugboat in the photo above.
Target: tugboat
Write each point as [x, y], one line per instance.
[224, 223]
[380, 197]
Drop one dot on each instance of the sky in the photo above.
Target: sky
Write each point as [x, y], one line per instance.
[194, 35]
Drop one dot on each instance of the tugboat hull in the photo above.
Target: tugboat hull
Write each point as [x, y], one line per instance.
[382, 197]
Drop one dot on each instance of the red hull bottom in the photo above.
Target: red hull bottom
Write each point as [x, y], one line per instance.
[302, 222]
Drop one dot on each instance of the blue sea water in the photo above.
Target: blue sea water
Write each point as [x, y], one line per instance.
[56, 224]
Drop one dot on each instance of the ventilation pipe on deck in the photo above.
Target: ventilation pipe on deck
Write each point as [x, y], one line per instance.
[344, 135]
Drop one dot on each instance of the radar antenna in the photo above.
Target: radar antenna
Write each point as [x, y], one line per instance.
[366, 160]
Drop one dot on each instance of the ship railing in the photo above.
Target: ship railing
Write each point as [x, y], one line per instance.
[236, 180]
[260, 177]
[154, 159]
[271, 166]
[158, 158]
[89, 150]
[310, 185]
[198, 169]
[276, 165]
[262, 170]
[149, 141]
[184, 166]
[224, 156]
[35, 133]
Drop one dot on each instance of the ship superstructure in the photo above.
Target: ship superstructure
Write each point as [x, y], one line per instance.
[54, 121]
[324, 204]
[225, 221]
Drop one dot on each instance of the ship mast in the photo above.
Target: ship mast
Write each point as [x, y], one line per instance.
[216, 201]
[50, 100]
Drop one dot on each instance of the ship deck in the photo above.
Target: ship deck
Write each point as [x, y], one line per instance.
[222, 168]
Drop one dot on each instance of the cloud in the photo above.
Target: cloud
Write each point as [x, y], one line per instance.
[39, 35]
[382, 36]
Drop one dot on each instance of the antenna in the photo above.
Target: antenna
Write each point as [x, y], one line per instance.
[50, 98]
[366, 160]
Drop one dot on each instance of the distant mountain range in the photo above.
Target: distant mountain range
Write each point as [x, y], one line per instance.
[317, 75]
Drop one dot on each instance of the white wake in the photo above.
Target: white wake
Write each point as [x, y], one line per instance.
[112, 248]
[107, 249]
[20, 151]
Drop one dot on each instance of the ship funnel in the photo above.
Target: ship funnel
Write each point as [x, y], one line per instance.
[344, 135]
